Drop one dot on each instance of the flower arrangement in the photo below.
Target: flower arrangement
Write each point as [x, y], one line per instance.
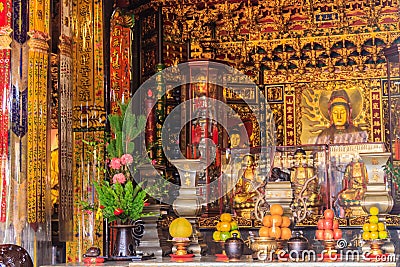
[119, 198]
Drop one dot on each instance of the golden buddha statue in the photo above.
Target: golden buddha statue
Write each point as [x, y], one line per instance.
[354, 186]
[341, 129]
[246, 186]
[301, 172]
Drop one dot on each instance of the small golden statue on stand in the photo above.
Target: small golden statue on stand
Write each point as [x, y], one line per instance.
[354, 186]
[302, 171]
[246, 188]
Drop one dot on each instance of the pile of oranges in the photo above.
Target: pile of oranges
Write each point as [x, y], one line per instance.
[275, 224]
[373, 229]
[225, 228]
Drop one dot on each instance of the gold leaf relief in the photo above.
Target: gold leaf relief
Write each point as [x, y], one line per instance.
[314, 102]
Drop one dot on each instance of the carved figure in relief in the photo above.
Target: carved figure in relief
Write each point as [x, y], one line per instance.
[341, 129]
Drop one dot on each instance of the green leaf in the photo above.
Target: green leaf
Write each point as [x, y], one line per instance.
[394, 171]
[123, 108]
[115, 122]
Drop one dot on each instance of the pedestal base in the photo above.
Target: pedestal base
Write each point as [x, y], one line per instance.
[354, 211]
[150, 242]
[247, 213]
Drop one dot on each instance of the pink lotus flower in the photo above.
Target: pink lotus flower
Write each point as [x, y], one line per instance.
[119, 178]
[115, 163]
[126, 159]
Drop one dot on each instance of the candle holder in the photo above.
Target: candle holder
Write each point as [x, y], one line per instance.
[330, 252]
[181, 248]
[375, 246]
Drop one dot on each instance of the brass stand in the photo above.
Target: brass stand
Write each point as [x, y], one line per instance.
[330, 251]
[181, 247]
[187, 204]
[377, 193]
[375, 246]
[275, 193]
[280, 193]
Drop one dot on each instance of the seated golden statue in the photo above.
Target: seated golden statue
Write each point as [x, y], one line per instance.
[245, 189]
[354, 184]
[301, 172]
[341, 129]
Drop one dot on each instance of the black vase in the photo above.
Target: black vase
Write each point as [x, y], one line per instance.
[127, 239]
[234, 247]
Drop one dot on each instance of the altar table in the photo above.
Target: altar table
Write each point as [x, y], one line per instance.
[211, 261]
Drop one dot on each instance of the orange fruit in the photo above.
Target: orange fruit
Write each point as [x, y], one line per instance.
[374, 210]
[225, 226]
[374, 235]
[234, 225]
[286, 233]
[366, 227]
[383, 234]
[373, 227]
[366, 235]
[276, 209]
[225, 235]
[267, 220]
[264, 231]
[275, 232]
[218, 226]
[373, 219]
[285, 221]
[226, 217]
[217, 235]
[276, 220]
[180, 227]
[381, 226]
